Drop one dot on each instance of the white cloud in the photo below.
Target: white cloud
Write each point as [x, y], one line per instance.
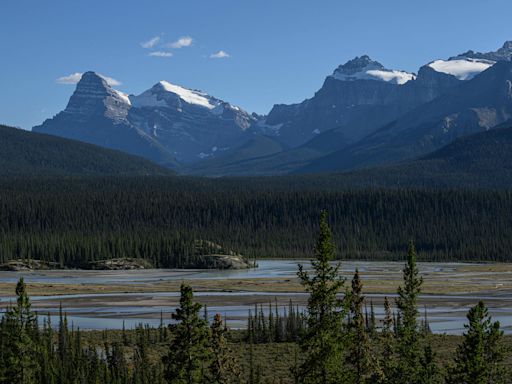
[70, 79]
[220, 55]
[110, 81]
[160, 54]
[185, 41]
[75, 78]
[150, 43]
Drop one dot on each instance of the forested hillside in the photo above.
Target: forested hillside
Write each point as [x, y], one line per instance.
[27, 153]
[75, 220]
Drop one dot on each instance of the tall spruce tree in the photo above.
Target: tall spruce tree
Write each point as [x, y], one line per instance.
[321, 343]
[223, 368]
[429, 370]
[19, 332]
[188, 352]
[387, 361]
[408, 346]
[479, 359]
[358, 351]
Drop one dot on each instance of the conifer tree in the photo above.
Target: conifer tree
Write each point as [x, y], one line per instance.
[359, 350]
[429, 371]
[479, 358]
[387, 360]
[19, 332]
[321, 343]
[188, 351]
[223, 368]
[408, 348]
[372, 329]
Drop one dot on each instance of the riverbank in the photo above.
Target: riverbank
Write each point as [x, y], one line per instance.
[103, 299]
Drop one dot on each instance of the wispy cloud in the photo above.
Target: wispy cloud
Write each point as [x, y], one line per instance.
[75, 78]
[184, 41]
[110, 81]
[150, 43]
[70, 79]
[160, 54]
[220, 55]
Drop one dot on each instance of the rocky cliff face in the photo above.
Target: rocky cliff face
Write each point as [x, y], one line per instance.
[359, 97]
[166, 124]
[190, 124]
[98, 114]
[502, 54]
[94, 97]
[475, 106]
[359, 101]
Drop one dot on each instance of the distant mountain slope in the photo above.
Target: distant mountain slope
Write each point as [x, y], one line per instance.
[475, 106]
[268, 157]
[234, 162]
[479, 160]
[28, 153]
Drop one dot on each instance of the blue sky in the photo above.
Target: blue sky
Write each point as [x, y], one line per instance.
[279, 51]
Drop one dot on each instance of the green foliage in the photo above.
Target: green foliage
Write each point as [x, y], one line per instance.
[387, 361]
[32, 154]
[18, 336]
[358, 354]
[76, 221]
[223, 368]
[188, 351]
[321, 343]
[408, 348]
[275, 327]
[429, 370]
[479, 357]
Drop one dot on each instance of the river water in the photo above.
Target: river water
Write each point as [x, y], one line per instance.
[446, 312]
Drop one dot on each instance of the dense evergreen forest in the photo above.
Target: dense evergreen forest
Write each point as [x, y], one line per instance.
[29, 153]
[332, 342]
[72, 221]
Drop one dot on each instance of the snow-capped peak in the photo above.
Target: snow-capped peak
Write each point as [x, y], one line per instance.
[364, 68]
[164, 94]
[190, 96]
[463, 68]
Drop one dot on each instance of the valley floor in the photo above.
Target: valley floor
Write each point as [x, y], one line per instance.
[107, 299]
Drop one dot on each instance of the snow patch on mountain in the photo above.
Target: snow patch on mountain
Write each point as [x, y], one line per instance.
[463, 68]
[123, 96]
[364, 68]
[389, 76]
[148, 98]
[190, 96]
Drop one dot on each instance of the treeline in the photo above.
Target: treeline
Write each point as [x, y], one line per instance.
[337, 343]
[73, 220]
[274, 327]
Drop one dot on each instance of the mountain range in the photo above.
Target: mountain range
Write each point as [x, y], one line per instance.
[364, 115]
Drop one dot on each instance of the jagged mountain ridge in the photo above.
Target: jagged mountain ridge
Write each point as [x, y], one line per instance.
[200, 134]
[475, 106]
[190, 124]
[343, 111]
[167, 124]
[372, 104]
[98, 114]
